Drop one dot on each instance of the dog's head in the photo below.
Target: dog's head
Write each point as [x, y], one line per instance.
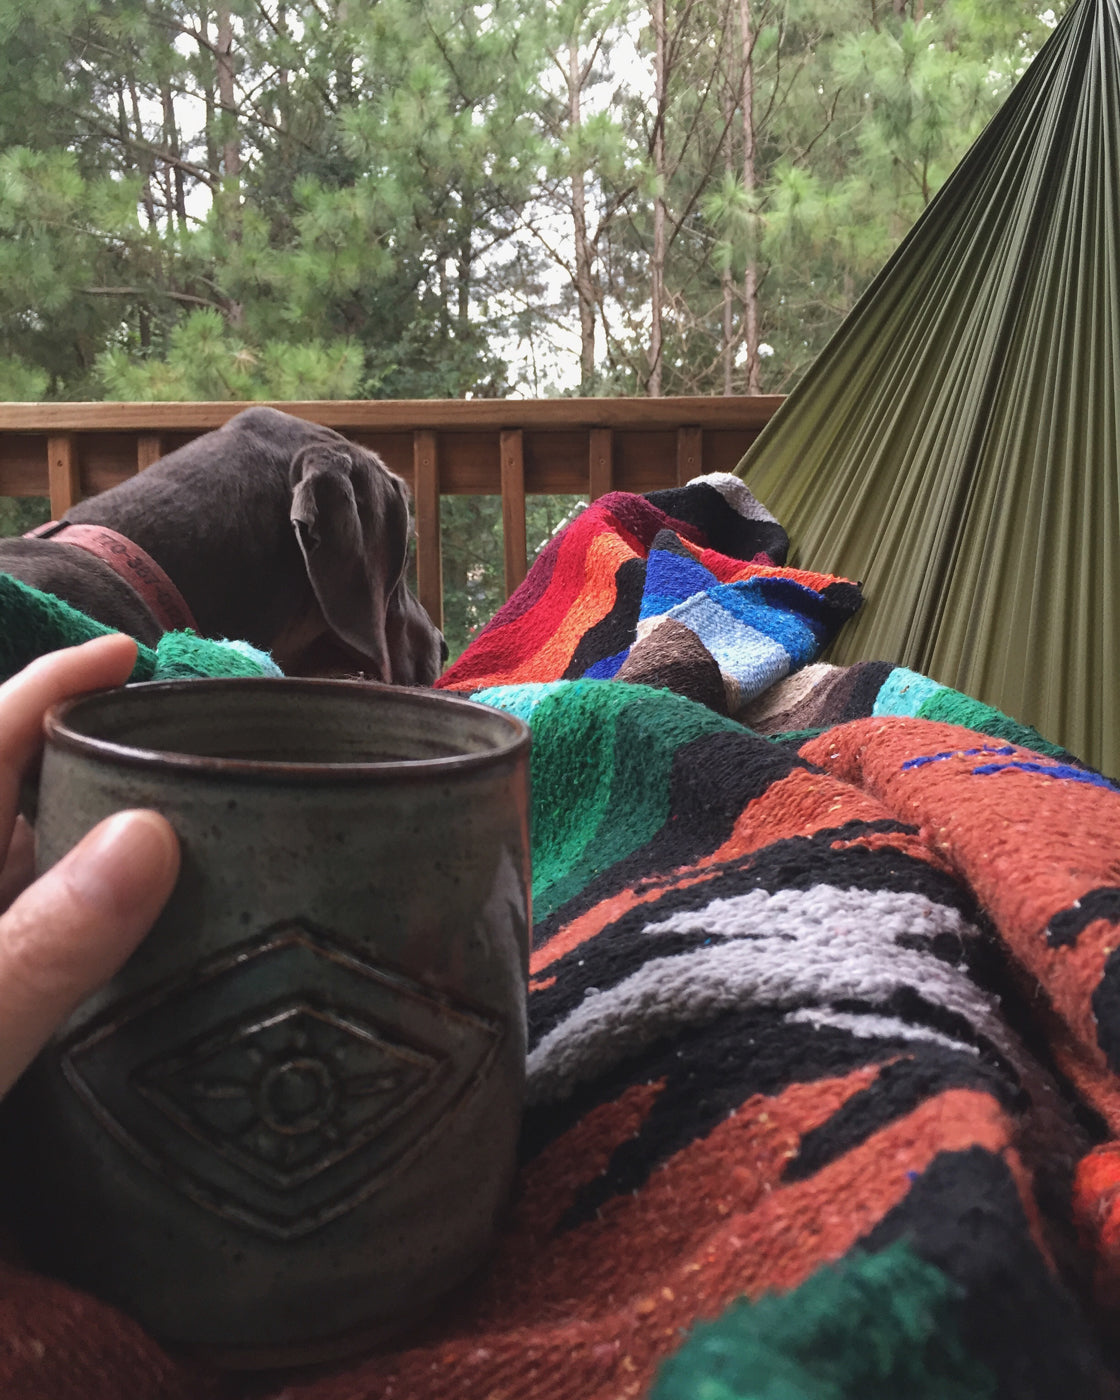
[353, 525]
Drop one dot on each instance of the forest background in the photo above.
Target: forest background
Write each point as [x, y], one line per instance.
[313, 199]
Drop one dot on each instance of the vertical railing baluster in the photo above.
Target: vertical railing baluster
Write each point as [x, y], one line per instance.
[429, 563]
[513, 507]
[149, 449]
[690, 454]
[62, 473]
[601, 464]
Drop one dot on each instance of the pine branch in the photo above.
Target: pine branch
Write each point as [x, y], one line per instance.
[161, 153]
[184, 297]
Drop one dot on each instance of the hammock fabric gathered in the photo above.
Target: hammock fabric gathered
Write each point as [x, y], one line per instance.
[956, 445]
[824, 1027]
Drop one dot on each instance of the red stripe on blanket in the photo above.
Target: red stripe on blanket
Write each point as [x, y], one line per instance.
[581, 582]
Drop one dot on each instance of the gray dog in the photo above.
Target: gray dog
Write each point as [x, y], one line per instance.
[274, 531]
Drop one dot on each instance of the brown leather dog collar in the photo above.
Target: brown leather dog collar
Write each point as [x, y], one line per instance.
[139, 570]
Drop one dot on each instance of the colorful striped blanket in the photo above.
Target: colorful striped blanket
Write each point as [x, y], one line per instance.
[825, 1019]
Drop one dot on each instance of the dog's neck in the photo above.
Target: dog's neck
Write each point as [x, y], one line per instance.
[186, 519]
[138, 569]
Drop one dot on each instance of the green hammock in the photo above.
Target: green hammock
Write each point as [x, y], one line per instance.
[955, 445]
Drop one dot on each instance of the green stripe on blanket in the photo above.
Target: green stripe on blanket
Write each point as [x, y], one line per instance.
[33, 623]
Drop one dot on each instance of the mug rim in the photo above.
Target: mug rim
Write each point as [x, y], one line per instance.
[58, 733]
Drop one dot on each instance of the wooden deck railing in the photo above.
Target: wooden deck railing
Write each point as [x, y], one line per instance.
[503, 447]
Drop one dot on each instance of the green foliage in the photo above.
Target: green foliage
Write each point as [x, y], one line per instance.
[382, 200]
[21, 382]
[379, 200]
[333, 215]
[859, 114]
[19, 514]
[473, 559]
[207, 359]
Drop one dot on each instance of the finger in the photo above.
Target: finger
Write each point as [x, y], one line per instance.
[29, 694]
[19, 865]
[74, 927]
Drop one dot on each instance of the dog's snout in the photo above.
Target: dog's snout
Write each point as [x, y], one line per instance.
[444, 653]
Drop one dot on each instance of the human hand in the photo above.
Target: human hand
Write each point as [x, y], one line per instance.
[67, 933]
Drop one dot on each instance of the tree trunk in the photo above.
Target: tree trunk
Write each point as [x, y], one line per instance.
[464, 270]
[657, 255]
[585, 285]
[210, 103]
[144, 161]
[227, 101]
[444, 302]
[174, 147]
[750, 276]
[344, 73]
[283, 77]
[726, 279]
[231, 148]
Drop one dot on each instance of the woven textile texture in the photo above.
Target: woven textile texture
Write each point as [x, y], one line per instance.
[686, 582]
[32, 623]
[824, 1026]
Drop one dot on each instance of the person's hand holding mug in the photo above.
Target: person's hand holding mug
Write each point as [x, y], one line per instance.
[69, 931]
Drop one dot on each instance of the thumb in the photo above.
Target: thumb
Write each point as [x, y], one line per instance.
[73, 928]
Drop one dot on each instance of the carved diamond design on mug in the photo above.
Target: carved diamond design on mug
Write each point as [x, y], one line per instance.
[289, 1095]
[282, 1112]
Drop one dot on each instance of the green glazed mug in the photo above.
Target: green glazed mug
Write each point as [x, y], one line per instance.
[288, 1126]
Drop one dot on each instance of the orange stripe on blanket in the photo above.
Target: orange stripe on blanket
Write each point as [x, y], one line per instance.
[1028, 840]
[504, 642]
[804, 803]
[714, 1224]
[634, 1234]
[1096, 1211]
[800, 804]
[595, 597]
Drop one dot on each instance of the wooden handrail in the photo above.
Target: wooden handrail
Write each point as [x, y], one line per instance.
[506, 447]
[394, 415]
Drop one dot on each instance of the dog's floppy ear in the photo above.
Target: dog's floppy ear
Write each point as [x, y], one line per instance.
[352, 524]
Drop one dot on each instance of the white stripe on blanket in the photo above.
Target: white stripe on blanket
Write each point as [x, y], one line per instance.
[791, 949]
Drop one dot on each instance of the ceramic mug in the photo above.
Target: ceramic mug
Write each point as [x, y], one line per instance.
[288, 1125]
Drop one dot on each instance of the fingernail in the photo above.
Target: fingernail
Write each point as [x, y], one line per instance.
[121, 861]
